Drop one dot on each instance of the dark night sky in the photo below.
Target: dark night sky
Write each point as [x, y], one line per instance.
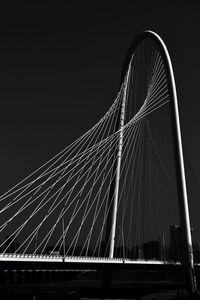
[60, 68]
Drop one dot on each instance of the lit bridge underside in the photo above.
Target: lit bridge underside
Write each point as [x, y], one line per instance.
[58, 262]
[78, 259]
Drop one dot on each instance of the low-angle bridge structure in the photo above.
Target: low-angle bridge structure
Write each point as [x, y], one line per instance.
[117, 195]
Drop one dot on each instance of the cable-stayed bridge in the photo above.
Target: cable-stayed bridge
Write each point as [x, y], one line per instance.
[117, 195]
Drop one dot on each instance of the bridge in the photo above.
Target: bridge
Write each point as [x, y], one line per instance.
[117, 195]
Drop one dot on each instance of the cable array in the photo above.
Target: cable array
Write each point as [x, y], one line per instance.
[64, 206]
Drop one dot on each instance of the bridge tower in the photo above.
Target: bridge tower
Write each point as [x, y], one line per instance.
[187, 262]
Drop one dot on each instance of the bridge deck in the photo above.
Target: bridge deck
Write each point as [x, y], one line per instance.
[77, 259]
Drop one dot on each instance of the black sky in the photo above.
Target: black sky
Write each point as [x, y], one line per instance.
[60, 66]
